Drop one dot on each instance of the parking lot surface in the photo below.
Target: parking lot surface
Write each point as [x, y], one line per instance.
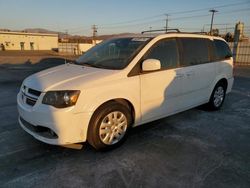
[196, 148]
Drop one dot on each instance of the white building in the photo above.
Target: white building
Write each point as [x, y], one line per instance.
[83, 47]
[76, 48]
[27, 41]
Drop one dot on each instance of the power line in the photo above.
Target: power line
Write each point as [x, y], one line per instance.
[234, 11]
[154, 21]
[215, 7]
[133, 21]
[157, 21]
[130, 25]
[173, 13]
[176, 18]
[188, 17]
[206, 15]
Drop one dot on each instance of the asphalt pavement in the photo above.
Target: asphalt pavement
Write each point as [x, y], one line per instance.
[196, 148]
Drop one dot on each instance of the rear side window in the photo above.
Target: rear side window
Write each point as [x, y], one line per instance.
[194, 51]
[222, 50]
[166, 52]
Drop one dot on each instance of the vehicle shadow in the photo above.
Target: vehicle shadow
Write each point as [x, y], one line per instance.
[44, 63]
[13, 73]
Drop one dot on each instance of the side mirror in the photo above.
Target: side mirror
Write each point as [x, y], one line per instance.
[151, 65]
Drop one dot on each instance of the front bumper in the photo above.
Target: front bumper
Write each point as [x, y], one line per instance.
[67, 125]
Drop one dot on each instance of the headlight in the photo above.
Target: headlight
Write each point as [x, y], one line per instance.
[61, 99]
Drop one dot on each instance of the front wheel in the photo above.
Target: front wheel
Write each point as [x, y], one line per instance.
[109, 126]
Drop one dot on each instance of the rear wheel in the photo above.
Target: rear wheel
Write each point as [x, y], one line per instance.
[109, 126]
[217, 97]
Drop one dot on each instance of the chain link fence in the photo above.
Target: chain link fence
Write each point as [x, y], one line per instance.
[69, 48]
[241, 52]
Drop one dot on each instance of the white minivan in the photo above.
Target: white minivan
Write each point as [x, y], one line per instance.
[122, 83]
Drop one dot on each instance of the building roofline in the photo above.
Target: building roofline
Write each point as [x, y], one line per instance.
[26, 33]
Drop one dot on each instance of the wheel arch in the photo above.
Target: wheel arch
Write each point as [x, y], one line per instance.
[224, 82]
[219, 79]
[210, 105]
[122, 101]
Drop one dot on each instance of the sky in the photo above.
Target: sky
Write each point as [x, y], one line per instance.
[118, 16]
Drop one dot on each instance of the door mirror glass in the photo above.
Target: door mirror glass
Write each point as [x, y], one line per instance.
[151, 65]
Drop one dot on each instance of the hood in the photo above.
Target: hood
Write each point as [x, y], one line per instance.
[63, 77]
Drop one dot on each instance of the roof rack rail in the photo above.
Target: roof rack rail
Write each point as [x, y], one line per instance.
[151, 31]
[177, 30]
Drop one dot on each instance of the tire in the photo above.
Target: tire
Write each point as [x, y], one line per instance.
[217, 97]
[109, 126]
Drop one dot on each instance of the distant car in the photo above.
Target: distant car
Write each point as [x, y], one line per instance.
[122, 83]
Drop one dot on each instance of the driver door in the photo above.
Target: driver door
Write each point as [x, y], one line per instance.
[161, 90]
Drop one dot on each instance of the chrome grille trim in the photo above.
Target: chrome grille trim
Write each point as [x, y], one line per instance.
[29, 95]
[34, 92]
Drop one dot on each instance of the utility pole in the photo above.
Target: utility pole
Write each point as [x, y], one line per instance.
[212, 20]
[167, 22]
[66, 36]
[67, 40]
[94, 28]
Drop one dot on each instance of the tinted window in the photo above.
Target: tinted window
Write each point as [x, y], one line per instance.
[194, 51]
[222, 50]
[166, 52]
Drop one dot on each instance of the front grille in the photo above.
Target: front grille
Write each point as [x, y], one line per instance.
[30, 96]
[34, 92]
[30, 102]
[40, 130]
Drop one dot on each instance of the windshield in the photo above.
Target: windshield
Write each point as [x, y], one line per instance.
[112, 54]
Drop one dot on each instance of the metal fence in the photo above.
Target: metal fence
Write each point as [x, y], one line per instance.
[70, 48]
[241, 52]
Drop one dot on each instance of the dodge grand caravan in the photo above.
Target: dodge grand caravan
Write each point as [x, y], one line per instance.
[122, 83]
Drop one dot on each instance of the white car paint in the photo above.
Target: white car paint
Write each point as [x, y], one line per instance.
[153, 95]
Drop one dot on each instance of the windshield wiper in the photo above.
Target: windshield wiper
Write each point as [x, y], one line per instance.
[89, 65]
[82, 63]
[70, 61]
